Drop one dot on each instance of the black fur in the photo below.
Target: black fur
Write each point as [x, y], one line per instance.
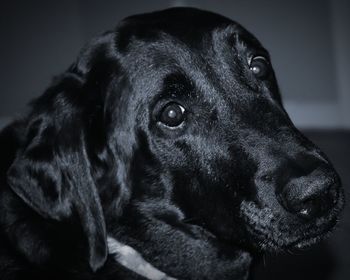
[91, 159]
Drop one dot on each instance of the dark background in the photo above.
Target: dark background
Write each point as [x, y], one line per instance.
[309, 42]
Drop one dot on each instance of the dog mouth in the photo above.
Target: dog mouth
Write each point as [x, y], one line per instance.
[271, 231]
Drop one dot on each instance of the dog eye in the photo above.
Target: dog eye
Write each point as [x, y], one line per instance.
[172, 114]
[259, 66]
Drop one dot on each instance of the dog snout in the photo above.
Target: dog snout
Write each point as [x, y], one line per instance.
[311, 189]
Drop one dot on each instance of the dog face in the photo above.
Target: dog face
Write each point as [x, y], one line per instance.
[179, 108]
[207, 124]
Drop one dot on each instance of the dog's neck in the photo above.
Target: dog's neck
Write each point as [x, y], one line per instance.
[181, 249]
[132, 260]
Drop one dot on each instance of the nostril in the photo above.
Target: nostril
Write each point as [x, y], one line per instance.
[313, 207]
[307, 210]
[310, 209]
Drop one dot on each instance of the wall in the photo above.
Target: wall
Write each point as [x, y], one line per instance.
[308, 42]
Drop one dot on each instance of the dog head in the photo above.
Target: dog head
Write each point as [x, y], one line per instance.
[204, 115]
[179, 106]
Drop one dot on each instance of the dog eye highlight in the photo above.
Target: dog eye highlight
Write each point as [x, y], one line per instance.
[172, 115]
[260, 66]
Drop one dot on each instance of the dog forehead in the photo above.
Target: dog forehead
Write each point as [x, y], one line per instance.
[163, 35]
[188, 25]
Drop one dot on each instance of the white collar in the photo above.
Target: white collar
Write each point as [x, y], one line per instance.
[131, 259]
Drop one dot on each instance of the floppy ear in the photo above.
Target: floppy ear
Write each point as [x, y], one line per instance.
[52, 172]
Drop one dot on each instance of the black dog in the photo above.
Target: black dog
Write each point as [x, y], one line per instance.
[167, 144]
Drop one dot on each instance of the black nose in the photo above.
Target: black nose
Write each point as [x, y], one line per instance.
[312, 194]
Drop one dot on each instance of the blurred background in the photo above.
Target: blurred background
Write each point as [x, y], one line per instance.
[309, 42]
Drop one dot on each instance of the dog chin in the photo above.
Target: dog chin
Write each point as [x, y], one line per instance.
[271, 232]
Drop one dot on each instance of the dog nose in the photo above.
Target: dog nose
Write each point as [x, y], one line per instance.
[311, 195]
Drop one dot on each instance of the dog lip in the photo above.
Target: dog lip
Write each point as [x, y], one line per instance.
[314, 238]
[266, 243]
[261, 235]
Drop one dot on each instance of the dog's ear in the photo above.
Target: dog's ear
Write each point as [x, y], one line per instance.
[52, 170]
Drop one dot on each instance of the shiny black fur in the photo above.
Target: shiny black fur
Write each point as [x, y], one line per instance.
[91, 159]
